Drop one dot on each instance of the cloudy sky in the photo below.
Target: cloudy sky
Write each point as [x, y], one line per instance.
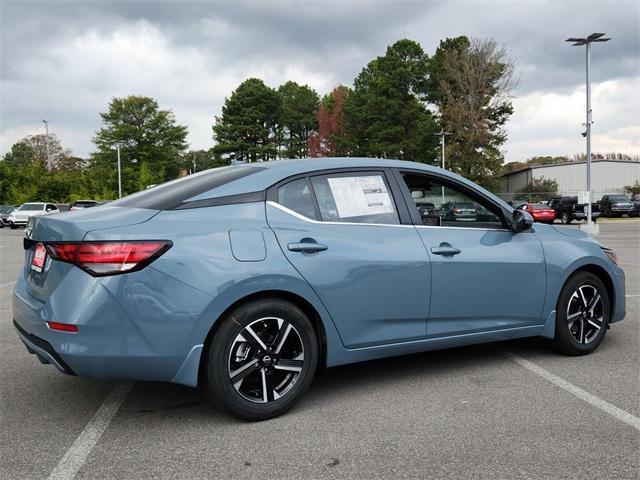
[63, 60]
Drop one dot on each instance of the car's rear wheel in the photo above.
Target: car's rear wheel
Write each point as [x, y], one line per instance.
[582, 314]
[262, 359]
[565, 218]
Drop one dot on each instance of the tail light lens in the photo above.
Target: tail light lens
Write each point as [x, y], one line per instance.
[109, 258]
[456, 210]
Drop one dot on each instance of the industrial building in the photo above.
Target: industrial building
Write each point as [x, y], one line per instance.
[607, 176]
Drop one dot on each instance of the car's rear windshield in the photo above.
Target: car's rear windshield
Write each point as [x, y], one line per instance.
[175, 193]
[7, 209]
[619, 198]
[84, 203]
[537, 206]
[464, 205]
[32, 206]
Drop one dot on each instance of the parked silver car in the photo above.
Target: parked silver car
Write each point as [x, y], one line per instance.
[20, 216]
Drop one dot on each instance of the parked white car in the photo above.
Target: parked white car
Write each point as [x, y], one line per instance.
[20, 216]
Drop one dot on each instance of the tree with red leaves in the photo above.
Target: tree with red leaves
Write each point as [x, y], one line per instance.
[328, 141]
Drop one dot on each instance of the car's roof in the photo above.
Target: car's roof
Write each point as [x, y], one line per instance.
[275, 171]
[250, 178]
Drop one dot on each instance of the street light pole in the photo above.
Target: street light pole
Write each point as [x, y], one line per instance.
[442, 134]
[119, 172]
[46, 125]
[578, 42]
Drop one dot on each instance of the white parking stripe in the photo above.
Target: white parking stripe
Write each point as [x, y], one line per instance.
[77, 454]
[7, 284]
[597, 402]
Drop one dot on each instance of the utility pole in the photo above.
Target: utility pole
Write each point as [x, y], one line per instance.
[119, 172]
[442, 134]
[194, 162]
[578, 42]
[46, 125]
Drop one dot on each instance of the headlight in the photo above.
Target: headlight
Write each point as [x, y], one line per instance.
[612, 255]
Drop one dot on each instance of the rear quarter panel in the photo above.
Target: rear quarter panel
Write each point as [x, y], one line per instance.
[202, 257]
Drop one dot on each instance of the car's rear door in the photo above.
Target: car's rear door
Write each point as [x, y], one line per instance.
[344, 233]
[485, 277]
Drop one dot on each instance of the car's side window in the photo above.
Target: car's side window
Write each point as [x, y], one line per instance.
[359, 197]
[441, 204]
[296, 196]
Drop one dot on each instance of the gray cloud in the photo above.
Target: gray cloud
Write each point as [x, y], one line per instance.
[64, 60]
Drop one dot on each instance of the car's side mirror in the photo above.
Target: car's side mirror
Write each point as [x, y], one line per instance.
[521, 221]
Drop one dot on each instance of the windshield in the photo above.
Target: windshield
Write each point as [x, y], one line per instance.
[7, 209]
[619, 198]
[537, 206]
[32, 206]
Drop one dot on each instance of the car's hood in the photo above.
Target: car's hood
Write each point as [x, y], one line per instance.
[575, 233]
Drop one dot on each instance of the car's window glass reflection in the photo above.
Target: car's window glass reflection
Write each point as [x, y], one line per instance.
[442, 205]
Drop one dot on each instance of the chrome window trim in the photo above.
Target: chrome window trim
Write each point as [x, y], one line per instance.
[319, 222]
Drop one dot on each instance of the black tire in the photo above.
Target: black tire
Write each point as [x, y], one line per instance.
[565, 218]
[13, 227]
[249, 399]
[569, 338]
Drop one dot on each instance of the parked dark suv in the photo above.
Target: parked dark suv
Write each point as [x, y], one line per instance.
[615, 205]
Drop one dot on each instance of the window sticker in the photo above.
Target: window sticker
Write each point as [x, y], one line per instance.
[359, 196]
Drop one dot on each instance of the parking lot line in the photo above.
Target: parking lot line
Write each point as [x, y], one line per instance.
[597, 402]
[77, 454]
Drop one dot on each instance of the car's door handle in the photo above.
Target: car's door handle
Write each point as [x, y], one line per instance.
[306, 247]
[445, 250]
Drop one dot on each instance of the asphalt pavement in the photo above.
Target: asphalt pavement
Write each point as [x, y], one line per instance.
[502, 410]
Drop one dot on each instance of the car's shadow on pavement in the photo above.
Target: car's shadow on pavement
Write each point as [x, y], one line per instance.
[340, 385]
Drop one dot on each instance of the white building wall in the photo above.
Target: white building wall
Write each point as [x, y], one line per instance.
[606, 176]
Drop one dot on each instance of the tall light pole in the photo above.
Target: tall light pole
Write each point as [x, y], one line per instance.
[578, 42]
[442, 134]
[119, 172]
[46, 126]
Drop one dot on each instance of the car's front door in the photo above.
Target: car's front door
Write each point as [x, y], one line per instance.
[485, 277]
[343, 233]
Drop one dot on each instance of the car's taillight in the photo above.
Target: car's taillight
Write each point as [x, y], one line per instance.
[109, 258]
[456, 210]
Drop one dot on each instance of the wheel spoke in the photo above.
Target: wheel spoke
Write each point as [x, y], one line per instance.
[594, 324]
[267, 389]
[283, 333]
[253, 339]
[573, 315]
[584, 300]
[593, 303]
[289, 365]
[239, 374]
[581, 337]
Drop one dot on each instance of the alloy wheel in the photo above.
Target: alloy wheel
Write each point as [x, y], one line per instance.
[266, 360]
[585, 314]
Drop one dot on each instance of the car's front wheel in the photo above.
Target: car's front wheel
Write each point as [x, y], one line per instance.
[582, 314]
[262, 359]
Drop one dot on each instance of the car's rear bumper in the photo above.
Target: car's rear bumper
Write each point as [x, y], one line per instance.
[42, 349]
[148, 340]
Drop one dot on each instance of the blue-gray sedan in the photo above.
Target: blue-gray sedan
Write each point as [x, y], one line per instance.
[247, 279]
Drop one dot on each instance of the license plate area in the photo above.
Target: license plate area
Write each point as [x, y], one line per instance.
[39, 258]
